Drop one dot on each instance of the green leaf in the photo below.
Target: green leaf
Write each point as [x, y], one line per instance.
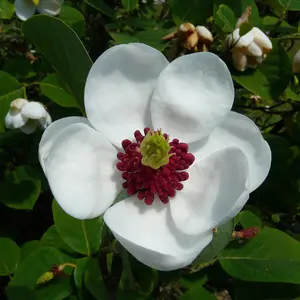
[79, 275]
[6, 9]
[196, 293]
[73, 18]
[9, 256]
[225, 19]
[269, 22]
[271, 78]
[290, 4]
[193, 11]
[123, 38]
[9, 91]
[271, 256]
[28, 248]
[245, 28]
[52, 238]
[249, 219]
[64, 51]
[221, 238]
[153, 38]
[83, 236]
[130, 4]
[52, 88]
[20, 67]
[21, 188]
[93, 280]
[239, 6]
[101, 6]
[24, 283]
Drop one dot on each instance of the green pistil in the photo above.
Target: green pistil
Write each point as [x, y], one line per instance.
[155, 150]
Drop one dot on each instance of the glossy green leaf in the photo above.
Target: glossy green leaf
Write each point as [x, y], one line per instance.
[6, 9]
[193, 11]
[79, 275]
[21, 188]
[271, 256]
[290, 4]
[248, 219]
[52, 238]
[269, 23]
[83, 236]
[130, 4]
[73, 18]
[123, 38]
[93, 280]
[197, 292]
[245, 28]
[9, 256]
[20, 67]
[52, 88]
[9, 90]
[225, 19]
[29, 271]
[64, 51]
[271, 78]
[101, 6]
[221, 238]
[29, 247]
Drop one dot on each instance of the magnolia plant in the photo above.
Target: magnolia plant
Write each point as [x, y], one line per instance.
[27, 8]
[164, 132]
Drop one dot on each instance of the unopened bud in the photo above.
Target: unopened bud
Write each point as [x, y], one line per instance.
[262, 40]
[204, 35]
[187, 27]
[239, 60]
[247, 233]
[296, 62]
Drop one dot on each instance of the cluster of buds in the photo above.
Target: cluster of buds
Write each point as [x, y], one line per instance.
[192, 38]
[250, 49]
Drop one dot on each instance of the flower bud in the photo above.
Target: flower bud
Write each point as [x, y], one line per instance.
[239, 60]
[296, 62]
[205, 36]
[262, 40]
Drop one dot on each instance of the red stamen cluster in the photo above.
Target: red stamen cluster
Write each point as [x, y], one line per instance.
[147, 182]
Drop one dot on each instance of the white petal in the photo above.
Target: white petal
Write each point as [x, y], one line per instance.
[204, 34]
[119, 87]
[24, 9]
[34, 110]
[29, 127]
[193, 95]
[45, 122]
[261, 39]
[239, 60]
[239, 131]
[80, 168]
[49, 7]
[53, 131]
[246, 39]
[253, 50]
[18, 103]
[216, 184]
[149, 234]
[14, 119]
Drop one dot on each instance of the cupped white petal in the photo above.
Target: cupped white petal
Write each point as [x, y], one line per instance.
[119, 87]
[14, 119]
[80, 167]
[245, 40]
[24, 9]
[253, 50]
[18, 103]
[192, 96]
[261, 39]
[239, 60]
[46, 121]
[29, 127]
[216, 184]
[34, 110]
[53, 131]
[239, 131]
[50, 7]
[150, 235]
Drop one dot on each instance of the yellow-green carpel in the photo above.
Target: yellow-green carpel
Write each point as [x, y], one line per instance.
[155, 150]
[36, 2]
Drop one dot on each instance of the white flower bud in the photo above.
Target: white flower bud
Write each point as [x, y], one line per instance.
[204, 35]
[296, 62]
[27, 115]
[262, 40]
[239, 60]
[187, 27]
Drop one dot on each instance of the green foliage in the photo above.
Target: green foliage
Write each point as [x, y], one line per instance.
[9, 256]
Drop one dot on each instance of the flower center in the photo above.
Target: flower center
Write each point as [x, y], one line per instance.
[152, 165]
[36, 2]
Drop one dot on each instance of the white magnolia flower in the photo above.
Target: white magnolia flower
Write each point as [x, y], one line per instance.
[27, 116]
[131, 87]
[27, 8]
[248, 50]
[296, 62]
